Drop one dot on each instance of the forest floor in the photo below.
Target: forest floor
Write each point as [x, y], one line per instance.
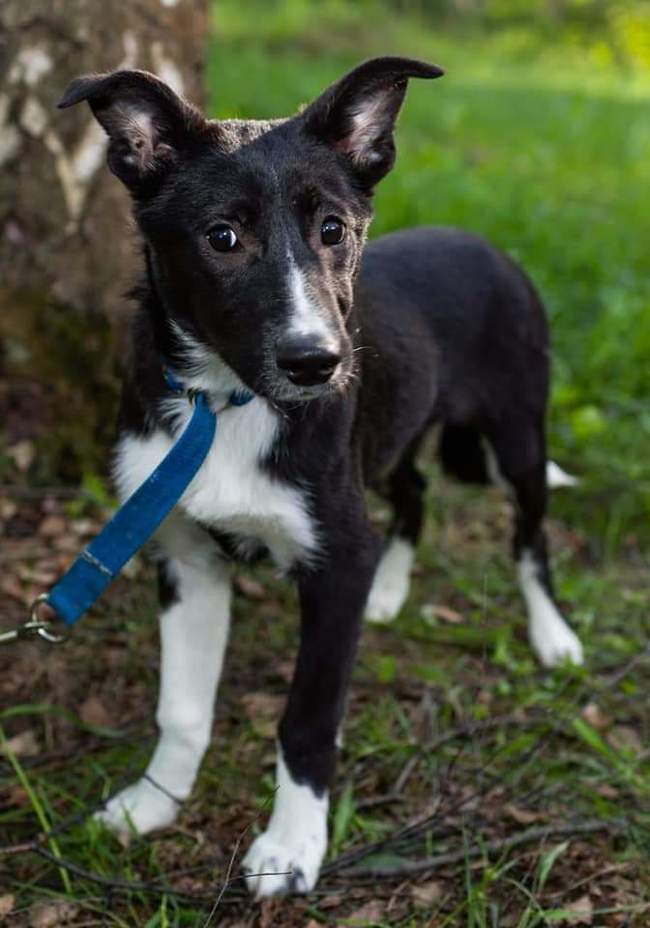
[456, 744]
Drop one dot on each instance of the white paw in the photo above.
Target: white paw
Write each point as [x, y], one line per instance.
[556, 477]
[140, 807]
[554, 643]
[390, 587]
[551, 638]
[278, 868]
[385, 604]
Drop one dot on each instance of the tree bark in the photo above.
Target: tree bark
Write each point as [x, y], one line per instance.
[67, 250]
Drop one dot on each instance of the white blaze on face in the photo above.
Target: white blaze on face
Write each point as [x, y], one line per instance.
[307, 318]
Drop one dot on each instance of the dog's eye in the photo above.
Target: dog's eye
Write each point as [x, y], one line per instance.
[222, 238]
[332, 231]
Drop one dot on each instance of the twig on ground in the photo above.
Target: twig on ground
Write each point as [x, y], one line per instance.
[427, 824]
[153, 888]
[227, 880]
[462, 731]
[615, 678]
[12, 850]
[116, 884]
[541, 833]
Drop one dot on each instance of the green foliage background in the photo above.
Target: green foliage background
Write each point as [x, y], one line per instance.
[538, 137]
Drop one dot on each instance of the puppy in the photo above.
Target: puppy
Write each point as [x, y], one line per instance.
[256, 277]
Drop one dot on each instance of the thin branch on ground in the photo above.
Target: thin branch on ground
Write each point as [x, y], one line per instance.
[462, 731]
[614, 679]
[496, 845]
[114, 884]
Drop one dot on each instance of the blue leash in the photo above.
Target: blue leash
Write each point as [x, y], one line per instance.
[133, 524]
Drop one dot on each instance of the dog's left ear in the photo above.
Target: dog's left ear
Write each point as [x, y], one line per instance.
[356, 116]
[146, 122]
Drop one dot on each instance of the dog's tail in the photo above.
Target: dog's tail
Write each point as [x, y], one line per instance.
[465, 455]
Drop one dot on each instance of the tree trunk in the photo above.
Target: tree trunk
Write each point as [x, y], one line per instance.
[67, 250]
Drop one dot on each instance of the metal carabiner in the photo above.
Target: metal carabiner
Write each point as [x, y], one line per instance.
[35, 626]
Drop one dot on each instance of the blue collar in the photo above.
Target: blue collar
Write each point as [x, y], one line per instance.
[176, 385]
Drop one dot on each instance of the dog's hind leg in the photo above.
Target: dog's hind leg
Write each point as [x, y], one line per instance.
[195, 602]
[521, 460]
[390, 588]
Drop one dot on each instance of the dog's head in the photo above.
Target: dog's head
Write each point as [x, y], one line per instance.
[254, 230]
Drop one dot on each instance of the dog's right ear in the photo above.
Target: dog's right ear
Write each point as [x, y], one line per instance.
[146, 122]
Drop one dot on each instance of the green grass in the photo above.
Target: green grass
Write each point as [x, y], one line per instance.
[544, 151]
[482, 742]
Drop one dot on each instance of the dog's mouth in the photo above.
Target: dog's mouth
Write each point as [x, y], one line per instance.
[283, 390]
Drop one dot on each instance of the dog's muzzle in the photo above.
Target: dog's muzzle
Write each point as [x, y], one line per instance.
[305, 362]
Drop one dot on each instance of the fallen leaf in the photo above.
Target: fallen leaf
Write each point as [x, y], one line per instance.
[284, 669]
[593, 714]
[6, 904]
[34, 573]
[268, 911]
[330, 902]
[22, 454]
[425, 894]
[93, 712]
[51, 914]
[582, 911]
[24, 744]
[8, 509]
[607, 791]
[50, 504]
[18, 796]
[67, 542]
[84, 527]
[368, 914]
[12, 586]
[249, 587]
[522, 816]
[263, 710]
[436, 611]
[51, 526]
[624, 738]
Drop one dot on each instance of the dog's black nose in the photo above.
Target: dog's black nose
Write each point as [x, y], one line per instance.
[305, 362]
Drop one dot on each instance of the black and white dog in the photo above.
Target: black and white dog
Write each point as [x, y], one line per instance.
[257, 278]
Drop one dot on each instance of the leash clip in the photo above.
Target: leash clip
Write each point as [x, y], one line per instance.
[35, 627]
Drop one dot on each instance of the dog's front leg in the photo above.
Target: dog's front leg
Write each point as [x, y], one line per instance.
[288, 855]
[194, 623]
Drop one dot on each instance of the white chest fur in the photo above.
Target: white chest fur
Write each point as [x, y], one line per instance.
[230, 492]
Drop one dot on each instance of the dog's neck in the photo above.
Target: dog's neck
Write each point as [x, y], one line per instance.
[199, 367]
